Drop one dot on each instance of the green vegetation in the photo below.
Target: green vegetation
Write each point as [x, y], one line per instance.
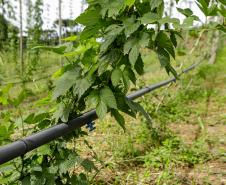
[185, 145]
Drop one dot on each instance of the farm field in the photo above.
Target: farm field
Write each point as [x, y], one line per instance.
[67, 116]
[186, 143]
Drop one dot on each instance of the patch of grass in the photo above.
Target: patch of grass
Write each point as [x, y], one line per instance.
[174, 152]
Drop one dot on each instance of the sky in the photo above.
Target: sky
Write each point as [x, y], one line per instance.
[72, 8]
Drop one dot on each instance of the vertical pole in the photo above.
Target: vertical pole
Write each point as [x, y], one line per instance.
[60, 22]
[60, 27]
[71, 17]
[190, 4]
[82, 6]
[21, 38]
[215, 40]
[171, 8]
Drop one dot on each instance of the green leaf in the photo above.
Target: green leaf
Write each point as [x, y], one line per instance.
[164, 59]
[223, 2]
[221, 28]
[186, 12]
[79, 180]
[130, 2]
[130, 74]
[167, 20]
[107, 96]
[128, 45]
[62, 113]
[29, 119]
[93, 98]
[82, 85]
[71, 38]
[122, 105]
[116, 76]
[188, 22]
[173, 38]
[144, 40]
[160, 9]
[150, 18]
[163, 41]
[119, 118]
[131, 25]
[56, 49]
[37, 179]
[89, 18]
[112, 8]
[222, 10]
[132, 46]
[90, 31]
[44, 150]
[26, 180]
[114, 29]
[139, 66]
[88, 165]
[67, 164]
[213, 9]
[138, 108]
[65, 82]
[108, 41]
[126, 82]
[155, 3]
[101, 109]
[111, 34]
[7, 167]
[133, 55]
[203, 6]
[4, 133]
[40, 117]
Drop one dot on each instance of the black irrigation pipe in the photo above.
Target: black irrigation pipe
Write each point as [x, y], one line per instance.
[22, 146]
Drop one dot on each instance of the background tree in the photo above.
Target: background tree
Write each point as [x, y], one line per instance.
[7, 13]
[29, 22]
[3, 30]
[68, 27]
[37, 30]
[34, 30]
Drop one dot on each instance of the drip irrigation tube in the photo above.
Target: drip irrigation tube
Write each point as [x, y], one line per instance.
[22, 146]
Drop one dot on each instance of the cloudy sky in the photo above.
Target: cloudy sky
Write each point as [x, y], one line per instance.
[72, 8]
